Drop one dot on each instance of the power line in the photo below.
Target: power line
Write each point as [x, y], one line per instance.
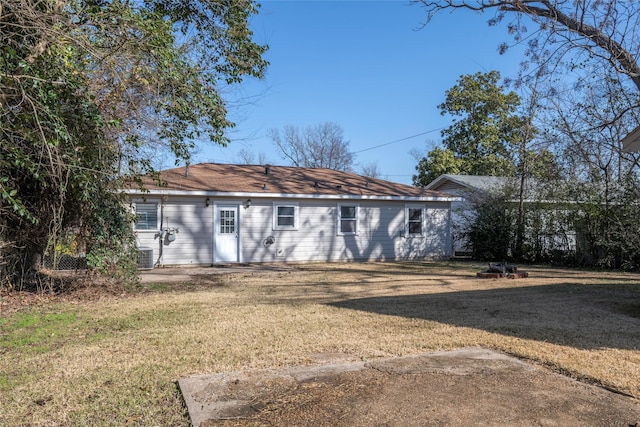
[398, 140]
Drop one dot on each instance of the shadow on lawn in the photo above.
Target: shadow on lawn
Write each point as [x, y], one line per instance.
[460, 269]
[593, 316]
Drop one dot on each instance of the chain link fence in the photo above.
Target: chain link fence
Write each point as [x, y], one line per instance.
[65, 262]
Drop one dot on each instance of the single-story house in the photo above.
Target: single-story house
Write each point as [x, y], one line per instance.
[211, 213]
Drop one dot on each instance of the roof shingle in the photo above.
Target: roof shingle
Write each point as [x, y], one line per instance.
[279, 180]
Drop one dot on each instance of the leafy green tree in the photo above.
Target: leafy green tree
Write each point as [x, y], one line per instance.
[485, 131]
[84, 87]
[437, 162]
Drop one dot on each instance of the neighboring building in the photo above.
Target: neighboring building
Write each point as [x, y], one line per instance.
[468, 188]
[550, 235]
[464, 185]
[209, 213]
[631, 142]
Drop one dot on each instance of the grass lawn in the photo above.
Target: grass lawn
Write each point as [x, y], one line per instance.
[115, 360]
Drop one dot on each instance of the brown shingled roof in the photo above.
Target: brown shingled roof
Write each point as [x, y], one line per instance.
[277, 180]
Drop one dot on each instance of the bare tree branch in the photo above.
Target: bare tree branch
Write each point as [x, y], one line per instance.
[319, 146]
[612, 27]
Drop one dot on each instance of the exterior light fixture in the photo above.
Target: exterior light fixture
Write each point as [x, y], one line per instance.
[247, 203]
[207, 202]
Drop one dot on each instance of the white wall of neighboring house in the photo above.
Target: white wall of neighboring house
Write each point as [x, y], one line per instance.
[462, 214]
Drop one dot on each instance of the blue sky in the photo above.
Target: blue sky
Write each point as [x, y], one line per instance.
[366, 66]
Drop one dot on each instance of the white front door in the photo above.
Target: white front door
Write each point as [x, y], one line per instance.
[226, 238]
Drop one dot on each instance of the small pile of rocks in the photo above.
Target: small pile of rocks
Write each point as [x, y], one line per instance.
[502, 270]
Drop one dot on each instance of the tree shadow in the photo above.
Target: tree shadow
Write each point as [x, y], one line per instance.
[587, 317]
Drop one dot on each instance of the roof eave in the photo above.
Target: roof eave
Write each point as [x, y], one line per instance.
[256, 195]
[435, 183]
[451, 178]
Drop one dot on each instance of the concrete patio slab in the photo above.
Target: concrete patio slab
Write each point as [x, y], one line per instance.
[470, 386]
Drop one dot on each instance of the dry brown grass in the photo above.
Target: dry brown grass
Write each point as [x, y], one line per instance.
[115, 360]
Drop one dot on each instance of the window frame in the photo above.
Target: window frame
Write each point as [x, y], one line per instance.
[408, 221]
[355, 219]
[295, 207]
[136, 203]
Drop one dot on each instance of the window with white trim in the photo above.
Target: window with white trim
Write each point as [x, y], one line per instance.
[415, 220]
[146, 216]
[348, 219]
[227, 221]
[285, 216]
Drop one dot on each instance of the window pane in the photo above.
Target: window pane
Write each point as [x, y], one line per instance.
[348, 218]
[146, 216]
[415, 228]
[348, 226]
[286, 220]
[286, 210]
[415, 221]
[286, 216]
[347, 212]
[227, 221]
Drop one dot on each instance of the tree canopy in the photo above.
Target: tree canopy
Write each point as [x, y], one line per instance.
[84, 87]
[484, 131]
[581, 80]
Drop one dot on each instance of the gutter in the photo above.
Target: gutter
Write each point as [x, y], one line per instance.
[201, 193]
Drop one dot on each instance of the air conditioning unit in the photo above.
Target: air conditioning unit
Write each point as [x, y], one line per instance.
[145, 258]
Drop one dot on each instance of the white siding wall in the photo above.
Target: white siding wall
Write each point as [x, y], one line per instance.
[435, 240]
[462, 215]
[381, 232]
[462, 212]
[193, 243]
